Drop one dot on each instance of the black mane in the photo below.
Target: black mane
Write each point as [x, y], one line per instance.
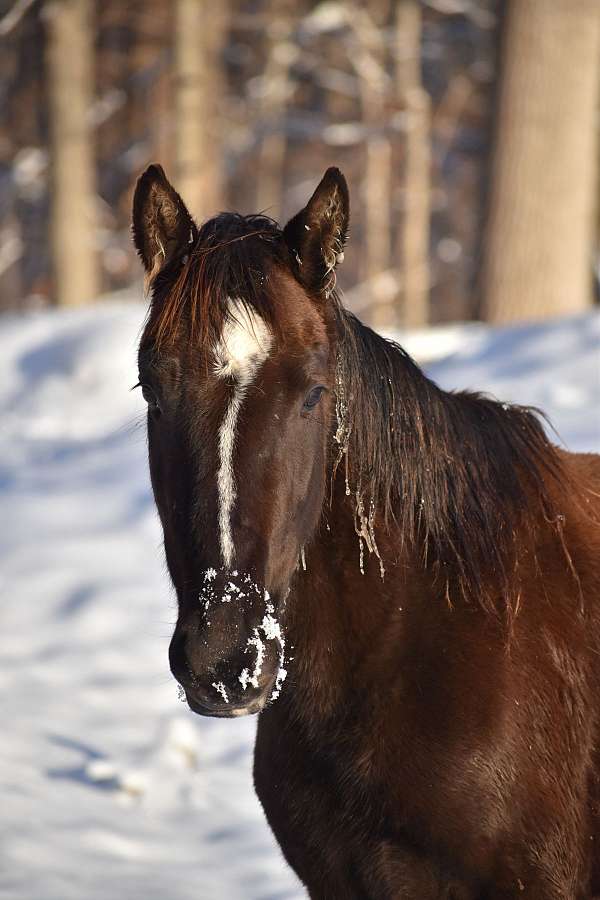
[453, 471]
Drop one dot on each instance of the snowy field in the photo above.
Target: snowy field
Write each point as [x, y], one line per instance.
[109, 786]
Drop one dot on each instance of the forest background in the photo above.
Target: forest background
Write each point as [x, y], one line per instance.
[467, 129]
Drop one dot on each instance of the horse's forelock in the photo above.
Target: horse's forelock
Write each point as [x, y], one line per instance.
[231, 259]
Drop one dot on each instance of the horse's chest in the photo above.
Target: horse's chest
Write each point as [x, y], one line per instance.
[317, 810]
[338, 819]
[359, 776]
[310, 778]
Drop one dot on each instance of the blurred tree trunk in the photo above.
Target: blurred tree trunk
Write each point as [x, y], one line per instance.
[163, 126]
[153, 29]
[200, 29]
[276, 86]
[369, 61]
[537, 247]
[413, 232]
[11, 252]
[70, 61]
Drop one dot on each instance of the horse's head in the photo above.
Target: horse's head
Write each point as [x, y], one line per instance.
[238, 365]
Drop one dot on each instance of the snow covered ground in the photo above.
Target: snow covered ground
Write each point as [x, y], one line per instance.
[109, 787]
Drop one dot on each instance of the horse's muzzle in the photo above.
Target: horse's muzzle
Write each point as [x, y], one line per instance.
[224, 684]
[206, 706]
[227, 650]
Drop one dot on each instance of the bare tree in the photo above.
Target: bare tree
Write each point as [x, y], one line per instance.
[152, 26]
[369, 57]
[276, 88]
[413, 231]
[199, 34]
[537, 249]
[70, 56]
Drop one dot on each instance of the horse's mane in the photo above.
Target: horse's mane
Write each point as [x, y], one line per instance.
[455, 473]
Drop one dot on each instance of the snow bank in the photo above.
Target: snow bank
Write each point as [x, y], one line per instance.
[109, 786]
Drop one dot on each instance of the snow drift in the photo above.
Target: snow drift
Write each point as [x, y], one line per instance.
[109, 786]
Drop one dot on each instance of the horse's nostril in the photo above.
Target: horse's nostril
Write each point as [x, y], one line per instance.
[189, 664]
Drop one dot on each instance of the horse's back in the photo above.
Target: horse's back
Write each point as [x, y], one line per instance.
[585, 468]
[576, 495]
[583, 471]
[581, 498]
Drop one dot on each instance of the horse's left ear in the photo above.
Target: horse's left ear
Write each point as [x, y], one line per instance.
[317, 234]
[162, 226]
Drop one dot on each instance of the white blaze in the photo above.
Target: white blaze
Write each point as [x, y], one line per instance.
[243, 347]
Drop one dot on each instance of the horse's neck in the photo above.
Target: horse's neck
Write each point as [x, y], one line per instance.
[345, 604]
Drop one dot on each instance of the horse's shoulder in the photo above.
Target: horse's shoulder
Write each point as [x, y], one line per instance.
[582, 482]
[584, 467]
[580, 502]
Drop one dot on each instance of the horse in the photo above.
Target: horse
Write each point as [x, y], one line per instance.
[402, 582]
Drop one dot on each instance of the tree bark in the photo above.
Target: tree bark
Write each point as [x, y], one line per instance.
[539, 234]
[70, 55]
[276, 88]
[199, 87]
[413, 231]
[369, 61]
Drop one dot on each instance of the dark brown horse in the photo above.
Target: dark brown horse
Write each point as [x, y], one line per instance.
[404, 582]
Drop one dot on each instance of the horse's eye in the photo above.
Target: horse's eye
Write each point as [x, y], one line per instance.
[313, 397]
[150, 398]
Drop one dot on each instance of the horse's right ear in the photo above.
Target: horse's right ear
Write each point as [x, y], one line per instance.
[317, 234]
[162, 226]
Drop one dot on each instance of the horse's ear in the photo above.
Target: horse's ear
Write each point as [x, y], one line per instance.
[162, 226]
[317, 234]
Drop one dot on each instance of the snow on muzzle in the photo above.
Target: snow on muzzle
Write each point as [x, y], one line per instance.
[228, 649]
